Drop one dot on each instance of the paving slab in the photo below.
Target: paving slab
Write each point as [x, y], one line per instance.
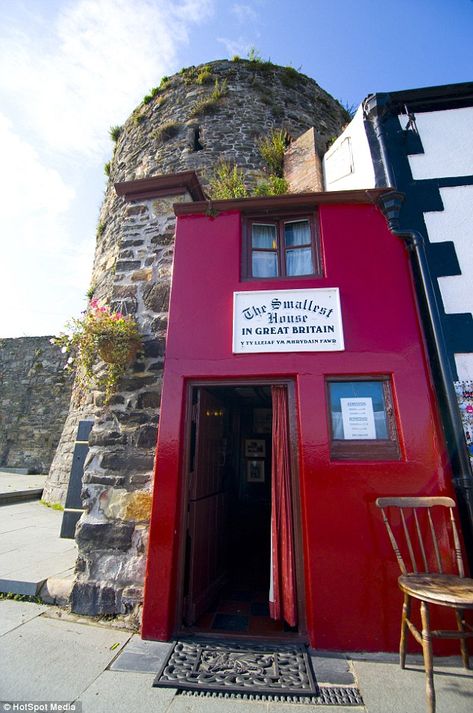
[204, 704]
[14, 614]
[386, 688]
[141, 656]
[332, 668]
[125, 693]
[48, 659]
[15, 487]
[31, 550]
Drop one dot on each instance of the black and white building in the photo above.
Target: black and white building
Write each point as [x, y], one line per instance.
[420, 142]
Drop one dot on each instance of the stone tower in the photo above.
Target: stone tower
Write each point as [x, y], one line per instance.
[194, 119]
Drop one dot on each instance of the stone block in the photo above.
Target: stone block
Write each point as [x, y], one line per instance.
[143, 275]
[156, 296]
[139, 479]
[147, 437]
[127, 462]
[104, 536]
[149, 399]
[107, 438]
[127, 265]
[154, 347]
[92, 598]
[138, 506]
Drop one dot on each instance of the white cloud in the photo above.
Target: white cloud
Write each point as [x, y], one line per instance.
[30, 191]
[84, 71]
[37, 250]
[65, 77]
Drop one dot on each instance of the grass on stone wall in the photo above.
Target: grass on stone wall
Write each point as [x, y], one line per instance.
[209, 104]
[204, 76]
[52, 506]
[271, 186]
[227, 181]
[166, 131]
[272, 148]
[115, 132]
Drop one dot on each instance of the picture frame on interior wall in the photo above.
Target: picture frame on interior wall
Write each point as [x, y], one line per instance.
[255, 471]
[255, 448]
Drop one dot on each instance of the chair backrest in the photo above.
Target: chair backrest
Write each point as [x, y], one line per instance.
[417, 533]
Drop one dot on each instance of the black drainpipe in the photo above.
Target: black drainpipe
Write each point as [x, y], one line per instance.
[390, 204]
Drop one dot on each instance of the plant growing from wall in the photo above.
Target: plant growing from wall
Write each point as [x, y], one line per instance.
[166, 131]
[289, 77]
[100, 337]
[271, 186]
[107, 168]
[208, 105]
[115, 132]
[227, 181]
[272, 149]
[204, 76]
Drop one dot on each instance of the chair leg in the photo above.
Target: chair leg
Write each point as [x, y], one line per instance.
[463, 644]
[428, 656]
[406, 612]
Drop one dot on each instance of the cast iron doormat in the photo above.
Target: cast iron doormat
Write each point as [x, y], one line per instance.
[231, 667]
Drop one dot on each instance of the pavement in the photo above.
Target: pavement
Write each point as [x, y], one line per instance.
[49, 654]
[31, 551]
[20, 487]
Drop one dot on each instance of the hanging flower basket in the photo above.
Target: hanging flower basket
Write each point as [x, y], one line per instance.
[118, 351]
[101, 336]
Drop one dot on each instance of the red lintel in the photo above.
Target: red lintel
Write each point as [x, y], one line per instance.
[270, 204]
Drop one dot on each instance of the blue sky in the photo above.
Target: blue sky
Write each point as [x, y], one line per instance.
[70, 69]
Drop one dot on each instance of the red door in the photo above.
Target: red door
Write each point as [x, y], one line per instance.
[205, 556]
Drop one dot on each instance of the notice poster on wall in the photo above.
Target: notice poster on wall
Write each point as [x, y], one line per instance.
[287, 321]
[358, 418]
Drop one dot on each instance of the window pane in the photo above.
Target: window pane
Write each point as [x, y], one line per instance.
[264, 236]
[299, 262]
[297, 233]
[358, 410]
[264, 264]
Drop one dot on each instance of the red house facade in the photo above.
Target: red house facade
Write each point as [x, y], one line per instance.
[296, 391]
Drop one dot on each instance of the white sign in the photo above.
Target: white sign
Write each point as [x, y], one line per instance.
[358, 418]
[287, 321]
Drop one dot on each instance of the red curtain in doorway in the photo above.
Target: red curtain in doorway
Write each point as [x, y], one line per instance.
[282, 595]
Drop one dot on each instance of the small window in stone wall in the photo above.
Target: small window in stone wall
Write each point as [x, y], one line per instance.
[361, 418]
[282, 247]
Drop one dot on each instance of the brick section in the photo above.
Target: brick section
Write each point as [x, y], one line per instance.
[302, 165]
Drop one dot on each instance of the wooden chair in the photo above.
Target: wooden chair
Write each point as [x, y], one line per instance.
[426, 575]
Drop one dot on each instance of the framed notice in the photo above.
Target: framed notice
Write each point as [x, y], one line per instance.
[255, 448]
[255, 471]
[358, 418]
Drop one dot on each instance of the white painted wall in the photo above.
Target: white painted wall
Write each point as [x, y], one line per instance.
[464, 363]
[455, 223]
[447, 139]
[348, 164]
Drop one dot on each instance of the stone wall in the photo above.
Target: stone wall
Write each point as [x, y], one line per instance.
[178, 128]
[34, 401]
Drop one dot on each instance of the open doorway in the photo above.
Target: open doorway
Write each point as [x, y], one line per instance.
[230, 514]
